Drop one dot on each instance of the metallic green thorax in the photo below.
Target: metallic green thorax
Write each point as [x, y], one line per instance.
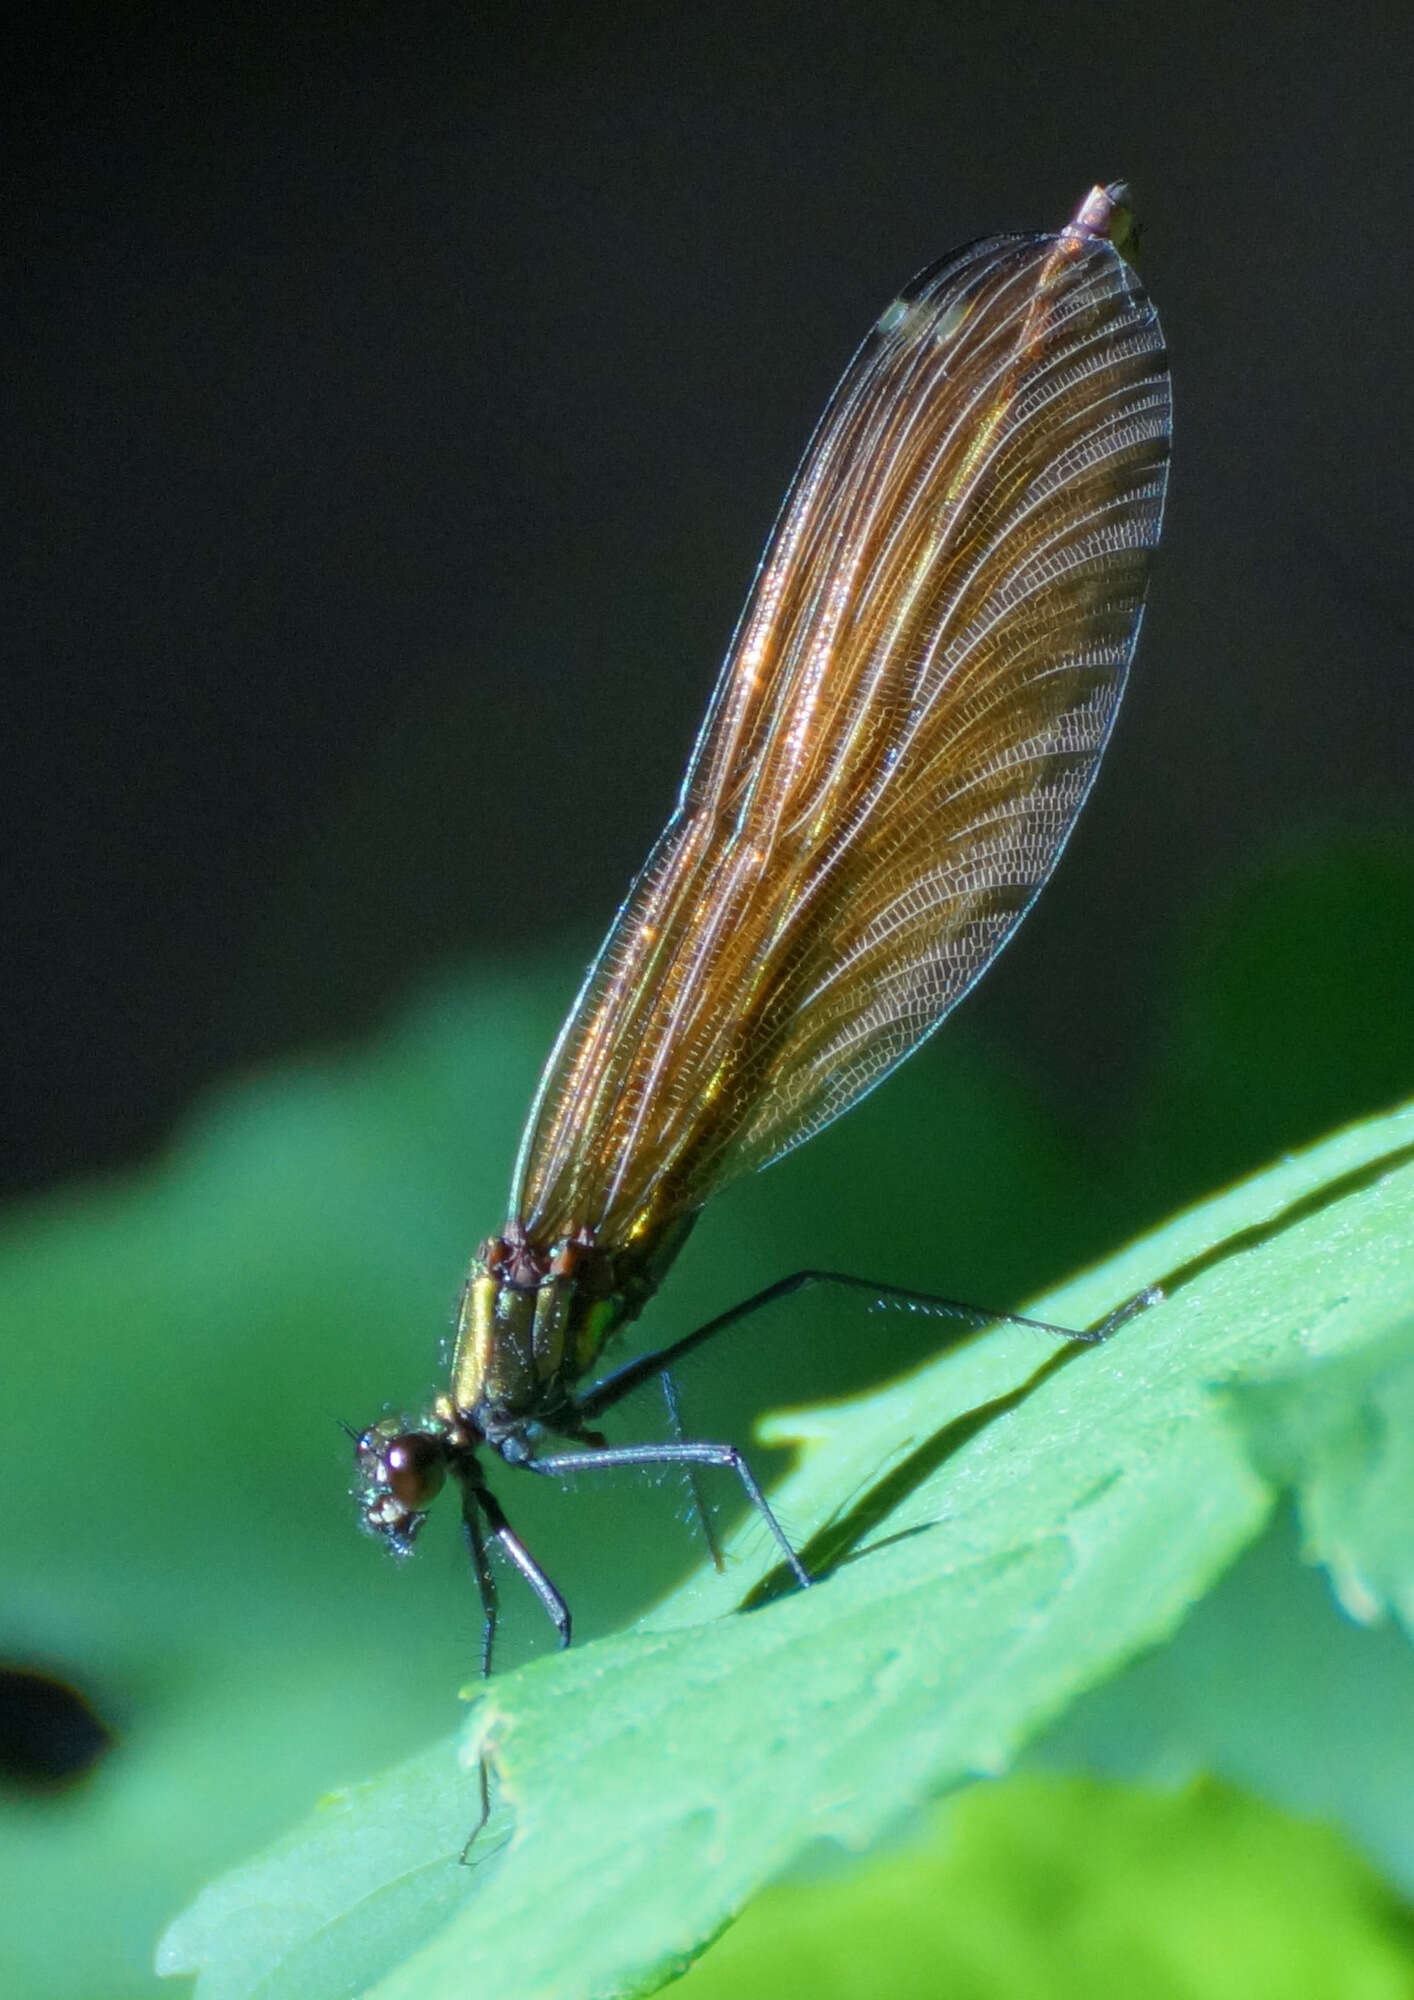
[517, 1343]
[533, 1322]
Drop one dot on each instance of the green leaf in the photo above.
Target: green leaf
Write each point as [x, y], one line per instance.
[1001, 1531]
[1267, 1685]
[177, 1343]
[176, 1347]
[1078, 1890]
[382, 1849]
[1342, 1434]
[1081, 1891]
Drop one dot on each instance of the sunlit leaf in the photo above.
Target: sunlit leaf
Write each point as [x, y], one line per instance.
[1002, 1531]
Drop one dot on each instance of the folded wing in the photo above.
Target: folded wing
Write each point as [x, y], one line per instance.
[909, 719]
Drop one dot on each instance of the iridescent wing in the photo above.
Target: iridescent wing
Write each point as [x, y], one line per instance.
[909, 719]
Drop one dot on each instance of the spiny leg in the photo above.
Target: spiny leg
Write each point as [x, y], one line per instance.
[561, 1464]
[624, 1380]
[694, 1484]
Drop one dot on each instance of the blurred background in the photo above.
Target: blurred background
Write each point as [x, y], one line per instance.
[399, 401]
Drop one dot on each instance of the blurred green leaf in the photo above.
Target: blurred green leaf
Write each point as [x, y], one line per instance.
[1072, 1890]
[1288, 1014]
[175, 1346]
[1342, 1435]
[1003, 1530]
[1268, 1685]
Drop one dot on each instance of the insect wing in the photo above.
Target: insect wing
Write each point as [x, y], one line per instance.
[909, 719]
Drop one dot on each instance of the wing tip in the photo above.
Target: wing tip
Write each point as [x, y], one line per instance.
[1105, 214]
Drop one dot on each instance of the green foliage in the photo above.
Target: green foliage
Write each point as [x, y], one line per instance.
[176, 1349]
[1001, 1531]
[1343, 1435]
[1289, 1015]
[1265, 1686]
[177, 1345]
[1072, 1890]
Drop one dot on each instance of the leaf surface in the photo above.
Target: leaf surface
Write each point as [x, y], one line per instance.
[1000, 1531]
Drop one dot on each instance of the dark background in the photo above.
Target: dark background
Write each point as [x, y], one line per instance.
[399, 401]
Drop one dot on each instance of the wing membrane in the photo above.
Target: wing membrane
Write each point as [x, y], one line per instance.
[910, 716]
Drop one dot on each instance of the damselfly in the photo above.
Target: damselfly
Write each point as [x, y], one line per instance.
[909, 719]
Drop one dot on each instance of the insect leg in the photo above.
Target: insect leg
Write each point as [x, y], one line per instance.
[679, 1453]
[481, 1568]
[626, 1379]
[694, 1484]
[486, 1586]
[483, 1811]
[556, 1610]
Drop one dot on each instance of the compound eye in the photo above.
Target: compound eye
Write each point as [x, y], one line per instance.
[415, 1466]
